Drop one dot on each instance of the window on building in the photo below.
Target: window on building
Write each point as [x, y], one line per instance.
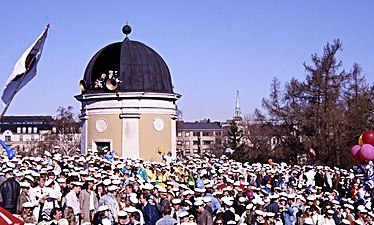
[196, 142]
[196, 134]
[187, 151]
[179, 142]
[218, 133]
[18, 130]
[29, 130]
[23, 129]
[8, 138]
[32, 138]
[196, 151]
[35, 130]
[207, 142]
[187, 133]
[205, 134]
[21, 138]
[179, 134]
[207, 151]
[187, 143]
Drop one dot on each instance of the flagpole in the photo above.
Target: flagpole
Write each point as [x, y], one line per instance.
[22, 78]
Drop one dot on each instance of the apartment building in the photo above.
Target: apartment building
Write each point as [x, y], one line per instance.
[199, 137]
[25, 132]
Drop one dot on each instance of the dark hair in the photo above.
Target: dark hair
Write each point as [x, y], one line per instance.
[51, 173]
[145, 196]
[131, 186]
[218, 217]
[167, 210]
[54, 211]
[136, 216]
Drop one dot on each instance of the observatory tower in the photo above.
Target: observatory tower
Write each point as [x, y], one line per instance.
[128, 102]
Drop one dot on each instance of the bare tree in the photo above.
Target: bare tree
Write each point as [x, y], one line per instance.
[65, 136]
[327, 111]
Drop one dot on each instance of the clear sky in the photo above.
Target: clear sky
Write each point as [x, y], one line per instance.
[212, 48]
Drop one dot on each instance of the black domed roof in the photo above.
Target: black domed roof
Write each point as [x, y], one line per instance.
[135, 67]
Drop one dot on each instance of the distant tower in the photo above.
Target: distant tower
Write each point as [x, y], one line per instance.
[238, 113]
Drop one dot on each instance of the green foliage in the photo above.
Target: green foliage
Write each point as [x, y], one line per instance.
[235, 142]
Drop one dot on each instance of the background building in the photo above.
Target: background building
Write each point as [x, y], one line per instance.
[199, 137]
[26, 134]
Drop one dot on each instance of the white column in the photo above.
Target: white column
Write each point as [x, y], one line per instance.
[130, 135]
[174, 136]
[84, 135]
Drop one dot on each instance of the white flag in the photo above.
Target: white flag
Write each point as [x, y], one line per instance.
[25, 68]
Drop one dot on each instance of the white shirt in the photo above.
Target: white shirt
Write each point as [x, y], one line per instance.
[73, 202]
[92, 206]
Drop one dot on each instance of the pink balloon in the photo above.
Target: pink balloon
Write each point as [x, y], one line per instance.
[355, 154]
[367, 152]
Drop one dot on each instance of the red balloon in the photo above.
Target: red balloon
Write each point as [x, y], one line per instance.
[368, 137]
[355, 154]
[311, 153]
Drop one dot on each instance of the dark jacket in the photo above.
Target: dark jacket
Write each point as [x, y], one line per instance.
[9, 192]
[150, 214]
[227, 216]
[273, 207]
[205, 218]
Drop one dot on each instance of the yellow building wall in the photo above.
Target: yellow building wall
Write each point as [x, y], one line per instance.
[113, 131]
[150, 139]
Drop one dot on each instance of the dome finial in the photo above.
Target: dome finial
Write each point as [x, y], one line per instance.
[126, 29]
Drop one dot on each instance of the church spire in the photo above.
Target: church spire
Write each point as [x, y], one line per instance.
[238, 113]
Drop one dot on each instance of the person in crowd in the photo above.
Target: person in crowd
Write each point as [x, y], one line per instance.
[167, 158]
[27, 214]
[57, 217]
[9, 190]
[204, 217]
[135, 218]
[167, 219]
[317, 218]
[150, 213]
[110, 200]
[69, 216]
[258, 218]
[214, 203]
[72, 200]
[101, 217]
[329, 220]
[88, 201]
[177, 209]
[218, 220]
[123, 218]
[100, 191]
[24, 196]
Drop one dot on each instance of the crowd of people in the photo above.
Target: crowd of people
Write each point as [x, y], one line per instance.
[192, 190]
